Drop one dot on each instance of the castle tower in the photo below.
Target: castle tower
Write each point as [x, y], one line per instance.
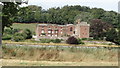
[82, 30]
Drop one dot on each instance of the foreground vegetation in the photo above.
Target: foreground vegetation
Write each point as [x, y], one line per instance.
[57, 53]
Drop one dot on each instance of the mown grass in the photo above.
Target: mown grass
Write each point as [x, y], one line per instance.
[60, 53]
[31, 26]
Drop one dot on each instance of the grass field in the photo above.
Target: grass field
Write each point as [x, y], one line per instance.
[31, 26]
[58, 56]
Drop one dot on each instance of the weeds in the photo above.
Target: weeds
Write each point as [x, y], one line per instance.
[60, 53]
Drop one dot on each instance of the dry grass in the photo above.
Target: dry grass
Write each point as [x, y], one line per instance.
[60, 54]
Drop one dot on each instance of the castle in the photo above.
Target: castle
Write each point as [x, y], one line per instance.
[53, 31]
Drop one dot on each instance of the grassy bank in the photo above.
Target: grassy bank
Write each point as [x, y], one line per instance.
[71, 54]
[30, 42]
[23, 26]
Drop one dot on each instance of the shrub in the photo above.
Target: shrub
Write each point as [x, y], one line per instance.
[50, 40]
[16, 30]
[28, 33]
[11, 31]
[72, 40]
[7, 31]
[6, 37]
[18, 38]
[84, 38]
[45, 40]
[56, 41]
[80, 41]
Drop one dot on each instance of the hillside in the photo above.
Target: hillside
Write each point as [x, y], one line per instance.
[23, 26]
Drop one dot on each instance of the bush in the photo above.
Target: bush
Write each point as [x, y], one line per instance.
[18, 38]
[72, 40]
[11, 31]
[7, 31]
[56, 41]
[80, 41]
[28, 33]
[45, 40]
[50, 40]
[16, 30]
[84, 38]
[6, 37]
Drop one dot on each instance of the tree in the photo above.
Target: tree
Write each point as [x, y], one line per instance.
[65, 15]
[99, 28]
[72, 40]
[110, 17]
[28, 34]
[113, 35]
[84, 16]
[10, 9]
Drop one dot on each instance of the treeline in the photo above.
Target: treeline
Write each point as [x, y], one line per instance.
[64, 15]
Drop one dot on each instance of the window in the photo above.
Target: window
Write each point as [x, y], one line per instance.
[49, 35]
[49, 31]
[42, 27]
[52, 31]
[42, 31]
[61, 28]
[71, 29]
[74, 32]
[56, 35]
[56, 31]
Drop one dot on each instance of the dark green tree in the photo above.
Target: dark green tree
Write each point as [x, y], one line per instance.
[10, 9]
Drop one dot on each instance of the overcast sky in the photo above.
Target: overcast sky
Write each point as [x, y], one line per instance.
[105, 4]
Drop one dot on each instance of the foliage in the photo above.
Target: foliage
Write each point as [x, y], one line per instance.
[64, 15]
[6, 37]
[28, 34]
[72, 40]
[98, 29]
[18, 38]
[84, 16]
[113, 35]
[50, 40]
[80, 41]
[56, 41]
[45, 40]
[10, 9]
[17, 34]
[25, 34]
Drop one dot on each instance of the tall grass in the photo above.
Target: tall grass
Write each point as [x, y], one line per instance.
[59, 53]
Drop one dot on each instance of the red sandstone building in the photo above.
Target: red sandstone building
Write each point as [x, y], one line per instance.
[80, 30]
